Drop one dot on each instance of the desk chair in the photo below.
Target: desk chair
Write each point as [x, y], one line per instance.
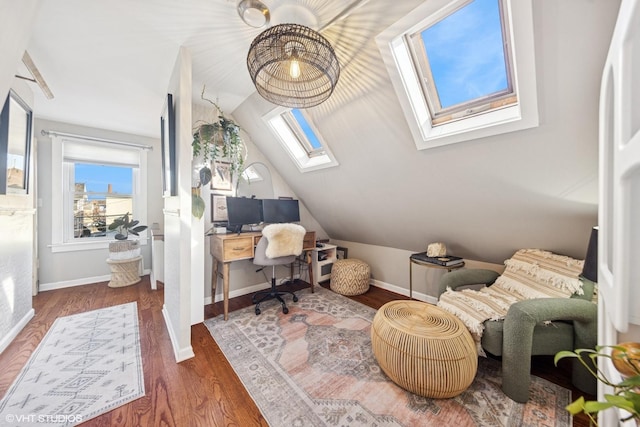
[280, 244]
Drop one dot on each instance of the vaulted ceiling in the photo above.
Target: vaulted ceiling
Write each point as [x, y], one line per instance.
[109, 63]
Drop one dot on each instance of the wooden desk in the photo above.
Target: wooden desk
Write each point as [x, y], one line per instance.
[227, 248]
[415, 260]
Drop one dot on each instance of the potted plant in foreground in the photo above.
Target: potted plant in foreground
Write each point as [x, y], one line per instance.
[626, 359]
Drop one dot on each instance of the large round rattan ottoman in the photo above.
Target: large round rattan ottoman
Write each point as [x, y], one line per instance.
[424, 349]
[350, 277]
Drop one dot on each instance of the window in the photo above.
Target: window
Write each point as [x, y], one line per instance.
[100, 182]
[300, 139]
[100, 194]
[453, 67]
[463, 62]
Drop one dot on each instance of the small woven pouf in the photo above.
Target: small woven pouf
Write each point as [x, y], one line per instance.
[350, 277]
[424, 349]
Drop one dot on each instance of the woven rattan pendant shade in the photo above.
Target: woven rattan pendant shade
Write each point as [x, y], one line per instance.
[270, 61]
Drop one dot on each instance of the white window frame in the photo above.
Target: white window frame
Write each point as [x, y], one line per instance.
[291, 137]
[395, 50]
[477, 105]
[62, 230]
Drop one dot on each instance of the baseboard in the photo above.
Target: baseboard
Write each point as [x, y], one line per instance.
[79, 282]
[181, 354]
[377, 283]
[420, 296]
[13, 332]
[239, 292]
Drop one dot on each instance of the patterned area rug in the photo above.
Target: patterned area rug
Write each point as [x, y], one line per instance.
[87, 364]
[315, 367]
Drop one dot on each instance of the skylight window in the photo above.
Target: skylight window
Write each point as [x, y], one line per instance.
[309, 134]
[462, 61]
[452, 64]
[300, 138]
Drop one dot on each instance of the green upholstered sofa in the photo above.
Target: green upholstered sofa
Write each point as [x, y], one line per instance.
[539, 326]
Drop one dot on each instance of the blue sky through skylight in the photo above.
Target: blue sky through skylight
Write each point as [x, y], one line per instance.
[306, 128]
[98, 177]
[466, 53]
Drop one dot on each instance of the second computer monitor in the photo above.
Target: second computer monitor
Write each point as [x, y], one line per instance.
[280, 210]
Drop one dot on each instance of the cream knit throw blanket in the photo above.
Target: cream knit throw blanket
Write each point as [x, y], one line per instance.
[529, 274]
[284, 239]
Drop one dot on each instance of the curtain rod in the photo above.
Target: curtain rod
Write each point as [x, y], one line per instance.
[92, 138]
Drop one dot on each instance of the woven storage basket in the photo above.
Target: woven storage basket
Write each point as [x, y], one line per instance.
[124, 272]
[424, 349]
[350, 277]
[124, 249]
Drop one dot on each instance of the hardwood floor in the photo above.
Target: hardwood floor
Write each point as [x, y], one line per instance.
[202, 391]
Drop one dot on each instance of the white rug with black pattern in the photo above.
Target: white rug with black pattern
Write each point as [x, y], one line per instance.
[87, 364]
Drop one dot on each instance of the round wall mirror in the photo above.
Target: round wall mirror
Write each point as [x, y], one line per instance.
[255, 181]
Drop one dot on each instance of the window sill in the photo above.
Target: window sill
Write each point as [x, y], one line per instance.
[86, 246]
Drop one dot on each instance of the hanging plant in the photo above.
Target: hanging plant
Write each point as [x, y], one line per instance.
[217, 140]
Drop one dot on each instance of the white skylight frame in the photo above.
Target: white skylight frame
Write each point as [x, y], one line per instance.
[396, 54]
[492, 98]
[292, 138]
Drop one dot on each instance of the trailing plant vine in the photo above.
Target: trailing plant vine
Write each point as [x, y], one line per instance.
[219, 140]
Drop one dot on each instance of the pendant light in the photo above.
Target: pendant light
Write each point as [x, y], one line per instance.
[293, 66]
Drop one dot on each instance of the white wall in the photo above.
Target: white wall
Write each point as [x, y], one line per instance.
[16, 211]
[484, 198]
[16, 250]
[16, 21]
[618, 238]
[179, 286]
[390, 269]
[63, 269]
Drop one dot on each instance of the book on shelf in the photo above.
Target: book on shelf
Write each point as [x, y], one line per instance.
[445, 261]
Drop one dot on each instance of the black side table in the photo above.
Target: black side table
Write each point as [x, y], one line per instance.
[419, 260]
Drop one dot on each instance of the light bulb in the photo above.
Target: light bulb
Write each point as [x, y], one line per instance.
[294, 69]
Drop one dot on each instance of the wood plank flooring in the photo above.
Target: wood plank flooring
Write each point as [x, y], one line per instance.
[202, 391]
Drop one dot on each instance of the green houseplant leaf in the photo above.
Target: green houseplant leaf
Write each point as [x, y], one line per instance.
[205, 175]
[626, 392]
[197, 206]
[124, 226]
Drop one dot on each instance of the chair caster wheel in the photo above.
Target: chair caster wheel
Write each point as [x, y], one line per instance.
[258, 311]
[285, 310]
[295, 298]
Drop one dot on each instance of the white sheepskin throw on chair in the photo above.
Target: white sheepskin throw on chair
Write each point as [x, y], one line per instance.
[284, 239]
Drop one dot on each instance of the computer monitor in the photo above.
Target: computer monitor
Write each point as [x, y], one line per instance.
[242, 211]
[280, 210]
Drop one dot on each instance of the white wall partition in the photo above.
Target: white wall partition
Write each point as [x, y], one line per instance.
[619, 235]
